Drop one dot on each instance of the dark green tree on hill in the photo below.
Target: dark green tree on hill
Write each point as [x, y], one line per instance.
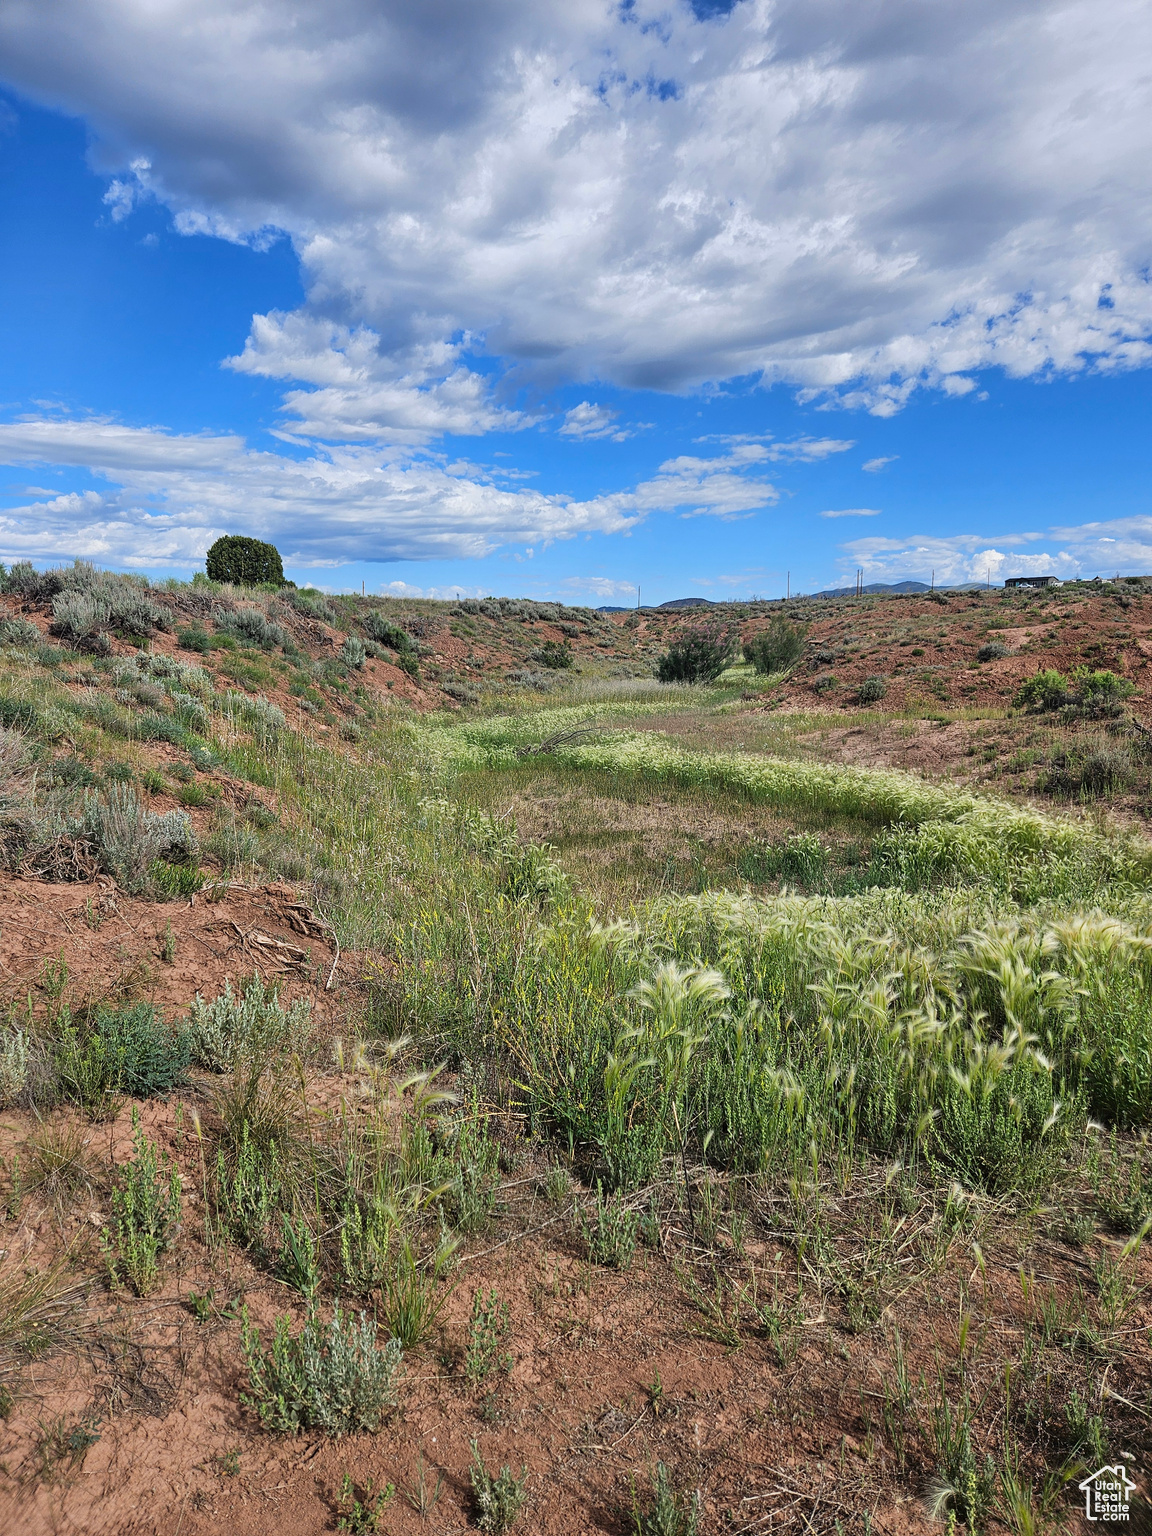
[244, 562]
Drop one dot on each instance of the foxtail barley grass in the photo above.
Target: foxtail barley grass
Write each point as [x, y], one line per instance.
[967, 1014]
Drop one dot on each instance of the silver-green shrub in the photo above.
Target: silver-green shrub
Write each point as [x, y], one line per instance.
[13, 1065]
[90, 601]
[18, 632]
[78, 615]
[250, 624]
[127, 838]
[234, 1028]
[330, 1377]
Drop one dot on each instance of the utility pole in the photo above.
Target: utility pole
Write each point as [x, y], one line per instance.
[932, 588]
[637, 597]
[789, 589]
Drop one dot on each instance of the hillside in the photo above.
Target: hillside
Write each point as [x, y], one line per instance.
[561, 1098]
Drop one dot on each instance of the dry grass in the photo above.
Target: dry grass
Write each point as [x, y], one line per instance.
[58, 1166]
[38, 1312]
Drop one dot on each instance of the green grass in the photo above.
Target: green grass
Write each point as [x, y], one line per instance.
[849, 975]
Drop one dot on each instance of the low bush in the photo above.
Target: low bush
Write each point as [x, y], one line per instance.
[133, 613]
[994, 650]
[380, 629]
[193, 795]
[697, 655]
[352, 652]
[251, 626]
[252, 1025]
[119, 1051]
[80, 614]
[329, 1377]
[194, 638]
[872, 690]
[777, 647]
[1044, 690]
[670, 1513]
[1089, 773]
[1086, 694]
[24, 580]
[499, 1499]
[71, 773]
[153, 726]
[1099, 695]
[20, 632]
[13, 1065]
[313, 605]
[525, 677]
[145, 1214]
[127, 839]
[556, 656]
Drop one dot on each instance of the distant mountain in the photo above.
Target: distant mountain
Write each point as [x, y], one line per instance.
[874, 588]
[608, 609]
[689, 602]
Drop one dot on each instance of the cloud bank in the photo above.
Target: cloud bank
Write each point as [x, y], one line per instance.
[1084, 551]
[170, 495]
[857, 198]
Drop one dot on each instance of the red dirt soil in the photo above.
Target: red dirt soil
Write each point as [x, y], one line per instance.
[178, 1454]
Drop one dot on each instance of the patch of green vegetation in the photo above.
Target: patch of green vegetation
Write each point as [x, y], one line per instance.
[251, 674]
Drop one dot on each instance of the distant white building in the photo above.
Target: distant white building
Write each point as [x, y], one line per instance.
[1032, 581]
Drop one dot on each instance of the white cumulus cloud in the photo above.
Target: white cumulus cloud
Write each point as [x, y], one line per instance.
[860, 199]
[1123, 545]
[170, 495]
[361, 393]
[606, 588]
[591, 421]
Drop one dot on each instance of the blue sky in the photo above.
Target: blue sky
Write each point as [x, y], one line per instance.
[562, 300]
